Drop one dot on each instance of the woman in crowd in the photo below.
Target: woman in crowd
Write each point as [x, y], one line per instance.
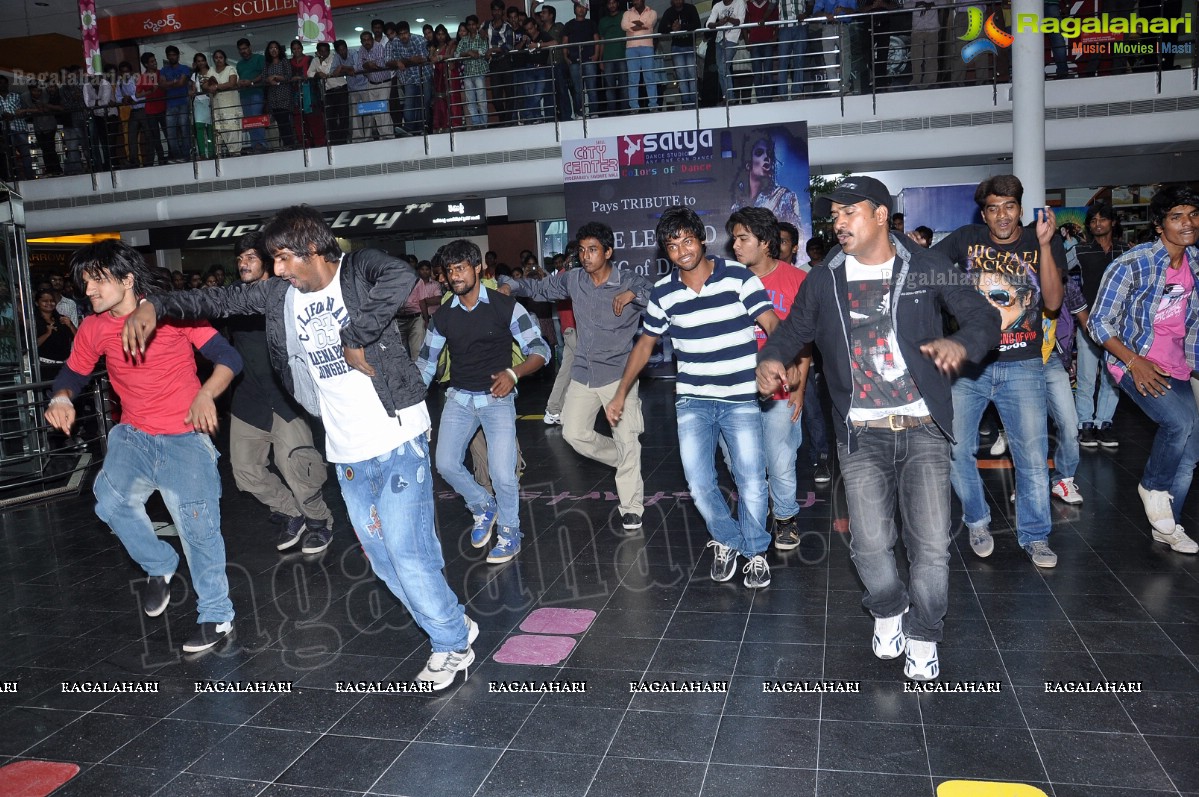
[55, 332]
[226, 105]
[442, 49]
[280, 96]
[307, 117]
[1144, 317]
[756, 184]
[202, 105]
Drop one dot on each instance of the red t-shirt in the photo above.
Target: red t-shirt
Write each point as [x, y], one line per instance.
[156, 96]
[782, 285]
[763, 33]
[156, 392]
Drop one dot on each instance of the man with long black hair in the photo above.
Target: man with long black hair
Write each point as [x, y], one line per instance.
[331, 336]
[162, 442]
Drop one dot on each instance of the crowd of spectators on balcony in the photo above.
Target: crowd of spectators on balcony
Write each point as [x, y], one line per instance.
[511, 69]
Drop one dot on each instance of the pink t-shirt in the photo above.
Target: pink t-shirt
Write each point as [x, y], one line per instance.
[156, 392]
[782, 285]
[1170, 323]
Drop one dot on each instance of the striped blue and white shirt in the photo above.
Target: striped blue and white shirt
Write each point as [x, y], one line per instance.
[712, 331]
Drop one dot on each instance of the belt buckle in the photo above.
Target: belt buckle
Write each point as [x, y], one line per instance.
[891, 423]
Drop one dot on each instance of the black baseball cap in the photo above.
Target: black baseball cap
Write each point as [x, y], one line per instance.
[851, 191]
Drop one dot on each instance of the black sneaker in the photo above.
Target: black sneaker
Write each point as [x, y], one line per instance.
[1106, 438]
[156, 595]
[1087, 437]
[289, 532]
[724, 561]
[319, 535]
[824, 475]
[206, 636]
[786, 534]
[630, 521]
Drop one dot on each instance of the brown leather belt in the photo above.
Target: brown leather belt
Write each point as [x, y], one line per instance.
[896, 423]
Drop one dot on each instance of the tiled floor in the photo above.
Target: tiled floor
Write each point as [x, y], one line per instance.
[1118, 608]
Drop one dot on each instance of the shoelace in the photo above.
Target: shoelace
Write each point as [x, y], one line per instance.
[756, 566]
[723, 552]
[449, 660]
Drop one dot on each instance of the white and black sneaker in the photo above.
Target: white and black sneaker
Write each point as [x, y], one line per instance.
[290, 529]
[206, 636]
[320, 534]
[922, 663]
[156, 595]
[757, 572]
[442, 668]
[889, 640]
[724, 561]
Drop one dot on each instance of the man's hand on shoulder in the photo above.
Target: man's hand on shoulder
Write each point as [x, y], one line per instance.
[139, 328]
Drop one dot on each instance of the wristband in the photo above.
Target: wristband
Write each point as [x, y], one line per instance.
[512, 374]
[1128, 365]
[59, 400]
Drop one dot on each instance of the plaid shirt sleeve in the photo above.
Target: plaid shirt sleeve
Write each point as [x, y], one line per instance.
[430, 352]
[527, 334]
[1108, 318]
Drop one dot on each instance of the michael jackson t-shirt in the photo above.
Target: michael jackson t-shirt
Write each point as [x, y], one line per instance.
[1009, 276]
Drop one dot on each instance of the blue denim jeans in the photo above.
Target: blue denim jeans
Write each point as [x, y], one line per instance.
[684, 61]
[414, 115]
[701, 423]
[724, 66]
[253, 107]
[813, 417]
[182, 468]
[1089, 370]
[1060, 400]
[1017, 390]
[459, 422]
[614, 86]
[389, 500]
[584, 78]
[762, 64]
[911, 469]
[536, 89]
[793, 48]
[782, 440]
[179, 131]
[476, 100]
[1175, 450]
[640, 62]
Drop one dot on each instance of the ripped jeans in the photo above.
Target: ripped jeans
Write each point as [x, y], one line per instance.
[390, 503]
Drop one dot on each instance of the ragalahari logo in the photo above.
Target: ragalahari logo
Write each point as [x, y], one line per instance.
[996, 37]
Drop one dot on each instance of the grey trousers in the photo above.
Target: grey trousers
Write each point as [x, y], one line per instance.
[297, 460]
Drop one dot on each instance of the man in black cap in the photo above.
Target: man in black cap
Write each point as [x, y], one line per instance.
[874, 313]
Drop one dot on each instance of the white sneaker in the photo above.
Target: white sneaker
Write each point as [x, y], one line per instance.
[1158, 509]
[1068, 492]
[552, 419]
[472, 630]
[999, 447]
[443, 667]
[981, 541]
[888, 641]
[1178, 540]
[922, 663]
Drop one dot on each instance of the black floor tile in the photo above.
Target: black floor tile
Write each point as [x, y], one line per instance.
[872, 747]
[189, 785]
[591, 729]
[1073, 711]
[478, 724]
[730, 779]
[105, 779]
[25, 727]
[171, 744]
[89, 739]
[350, 763]
[981, 709]
[254, 753]
[692, 657]
[437, 770]
[833, 782]
[629, 777]
[781, 661]
[992, 753]
[665, 736]
[386, 717]
[524, 774]
[777, 742]
[1164, 713]
[1102, 759]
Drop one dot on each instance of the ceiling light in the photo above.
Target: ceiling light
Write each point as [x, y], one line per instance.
[420, 20]
[359, 29]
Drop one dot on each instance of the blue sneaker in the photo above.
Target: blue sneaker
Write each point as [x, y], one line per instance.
[480, 533]
[506, 547]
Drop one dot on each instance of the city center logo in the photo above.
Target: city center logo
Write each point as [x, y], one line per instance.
[996, 37]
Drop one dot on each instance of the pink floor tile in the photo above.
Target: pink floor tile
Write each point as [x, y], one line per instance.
[558, 621]
[534, 649]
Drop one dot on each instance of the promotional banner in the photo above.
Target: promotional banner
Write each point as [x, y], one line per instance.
[314, 20]
[628, 181]
[941, 208]
[91, 37]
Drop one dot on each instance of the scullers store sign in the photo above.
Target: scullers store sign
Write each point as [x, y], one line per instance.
[208, 14]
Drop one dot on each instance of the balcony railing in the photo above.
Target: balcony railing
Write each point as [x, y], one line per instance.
[819, 57]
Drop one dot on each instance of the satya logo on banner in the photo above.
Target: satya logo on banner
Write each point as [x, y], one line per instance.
[591, 159]
[679, 145]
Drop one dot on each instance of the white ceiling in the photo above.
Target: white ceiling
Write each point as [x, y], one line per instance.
[35, 17]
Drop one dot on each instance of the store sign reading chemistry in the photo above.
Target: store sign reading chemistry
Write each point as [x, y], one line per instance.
[409, 217]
